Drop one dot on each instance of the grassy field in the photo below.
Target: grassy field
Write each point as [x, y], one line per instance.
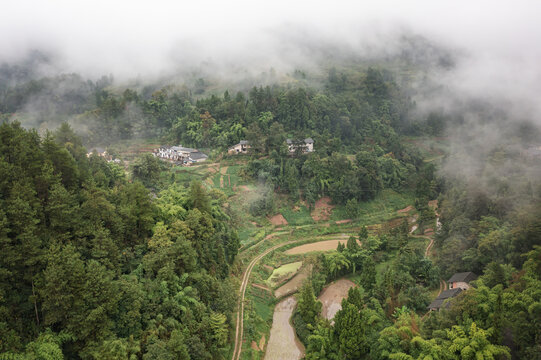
[383, 207]
[298, 215]
[283, 273]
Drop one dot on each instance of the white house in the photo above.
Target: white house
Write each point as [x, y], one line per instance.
[240, 148]
[307, 145]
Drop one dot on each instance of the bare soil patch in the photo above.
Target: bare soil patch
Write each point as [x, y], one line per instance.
[346, 221]
[278, 220]
[268, 267]
[433, 204]
[322, 209]
[262, 343]
[331, 297]
[223, 170]
[405, 210]
[317, 246]
[213, 168]
[221, 181]
[394, 223]
[283, 343]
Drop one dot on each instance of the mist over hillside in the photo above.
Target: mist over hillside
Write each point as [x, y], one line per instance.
[338, 163]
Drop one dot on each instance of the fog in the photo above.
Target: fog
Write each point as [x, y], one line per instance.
[497, 40]
[494, 46]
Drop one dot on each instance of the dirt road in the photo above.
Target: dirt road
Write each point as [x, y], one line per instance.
[427, 251]
[242, 291]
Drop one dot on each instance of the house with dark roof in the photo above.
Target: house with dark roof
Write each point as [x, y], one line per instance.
[197, 156]
[240, 148]
[443, 300]
[461, 280]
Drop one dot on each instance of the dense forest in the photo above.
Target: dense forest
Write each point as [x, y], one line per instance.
[93, 267]
[103, 261]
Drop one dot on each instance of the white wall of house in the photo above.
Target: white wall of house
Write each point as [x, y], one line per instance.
[238, 149]
[459, 284]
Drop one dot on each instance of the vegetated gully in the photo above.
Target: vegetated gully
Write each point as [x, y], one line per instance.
[239, 330]
[242, 291]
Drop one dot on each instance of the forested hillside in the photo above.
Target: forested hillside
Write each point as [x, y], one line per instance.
[93, 266]
[142, 259]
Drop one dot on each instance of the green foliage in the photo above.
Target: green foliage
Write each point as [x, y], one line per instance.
[147, 169]
[307, 312]
[100, 269]
[473, 343]
[350, 330]
[263, 204]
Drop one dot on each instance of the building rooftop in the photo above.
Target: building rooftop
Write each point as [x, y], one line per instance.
[463, 277]
[182, 149]
[441, 299]
[197, 155]
[446, 294]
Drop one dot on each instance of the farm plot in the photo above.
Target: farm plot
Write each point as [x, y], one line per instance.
[283, 343]
[283, 273]
[326, 245]
[331, 297]
[293, 285]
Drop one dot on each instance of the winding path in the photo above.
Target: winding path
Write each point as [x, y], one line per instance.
[240, 313]
[427, 251]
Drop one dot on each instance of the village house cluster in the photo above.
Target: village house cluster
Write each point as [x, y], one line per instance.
[180, 154]
[306, 146]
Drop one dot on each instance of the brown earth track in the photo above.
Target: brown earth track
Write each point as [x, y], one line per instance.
[242, 291]
[427, 251]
